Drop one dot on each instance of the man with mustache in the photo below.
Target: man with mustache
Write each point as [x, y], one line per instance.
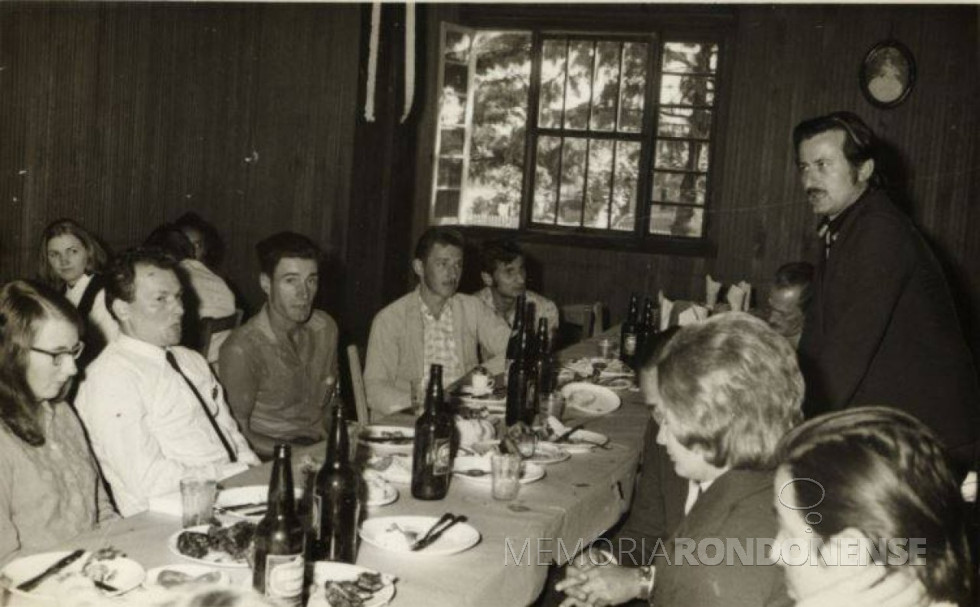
[153, 410]
[882, 328]
[279, 367]
[431, 325]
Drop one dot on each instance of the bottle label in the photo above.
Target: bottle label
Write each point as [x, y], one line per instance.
[629, 344]
[284, 579]
[439, 457]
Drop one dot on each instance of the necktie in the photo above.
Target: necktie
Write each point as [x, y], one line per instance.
[207, 412]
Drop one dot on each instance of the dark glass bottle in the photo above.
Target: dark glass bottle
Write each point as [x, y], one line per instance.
[336, 507]
[647, 327]
[516, 333]
[628, 332]
[542, 363]
[279, 569]
[518, 406]
[432, 461]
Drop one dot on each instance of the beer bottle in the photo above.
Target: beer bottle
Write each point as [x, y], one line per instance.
[628, 333]
[647, 328]
[516, 332]
[518, 408]
[543, 371]
[279, 570]
[336, 507]
[432, 461]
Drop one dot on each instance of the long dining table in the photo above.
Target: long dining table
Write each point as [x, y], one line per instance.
[574, 503]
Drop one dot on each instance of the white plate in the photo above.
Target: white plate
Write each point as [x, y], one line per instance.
[212, 559]
[251, 494]
[393, 468]
[590, 399]
[385, 431]
[583, 441]
[549, 453]
[529, 472]
[379, 491]
[187, 569]
[324, 571]
[380, 532]
[124, 574]
[612, 367]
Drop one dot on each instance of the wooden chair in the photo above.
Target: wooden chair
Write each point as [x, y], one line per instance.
[212, 326]
[357, 384]
[580, 321]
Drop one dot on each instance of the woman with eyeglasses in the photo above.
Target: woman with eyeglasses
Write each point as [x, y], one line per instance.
[50, 489]
[70, 260]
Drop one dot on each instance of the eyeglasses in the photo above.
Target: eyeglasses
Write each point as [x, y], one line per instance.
[59, 358]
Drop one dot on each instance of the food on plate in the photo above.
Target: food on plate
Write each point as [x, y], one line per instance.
[219, 543]
[168, 578]
[474, 426]
[580, 399]
[353, 593]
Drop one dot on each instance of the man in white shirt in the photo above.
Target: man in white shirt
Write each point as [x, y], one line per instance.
[505, 278]
[154, 411]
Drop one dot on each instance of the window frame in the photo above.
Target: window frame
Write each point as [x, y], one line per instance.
[654, 25]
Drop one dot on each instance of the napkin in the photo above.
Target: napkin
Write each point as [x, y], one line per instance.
[735, 297]
[665, 307]
[692, 315]
[747, 302]
[169, 503]
[711, 290]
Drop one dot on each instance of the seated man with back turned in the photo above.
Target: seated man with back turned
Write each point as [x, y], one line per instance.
[153, 410]
[788, 299]
[505, 277]
[279, 367]
[432, 324]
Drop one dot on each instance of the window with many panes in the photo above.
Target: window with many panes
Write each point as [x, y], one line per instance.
[559, 132]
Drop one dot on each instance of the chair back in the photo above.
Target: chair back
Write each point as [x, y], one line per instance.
[211, 328]
[580, 321]
[357, 384]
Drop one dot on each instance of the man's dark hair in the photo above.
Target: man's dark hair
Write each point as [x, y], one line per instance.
[437, 235]
[796, 274]
[498, 252]
[214, 248]
[120, 274]
[860, 143]
[285, 244]
[172, 240]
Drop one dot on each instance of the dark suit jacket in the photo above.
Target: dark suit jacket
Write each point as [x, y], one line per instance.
[882, 329]
[658, 506]
[738, 506]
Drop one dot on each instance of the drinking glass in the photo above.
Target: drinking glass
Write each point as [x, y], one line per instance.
[506, 475]
[197, 500]
[605, 346]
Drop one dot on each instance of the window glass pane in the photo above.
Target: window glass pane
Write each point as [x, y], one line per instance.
[624, 185]
[701, 152]
[633, 87]
[600, 180]
[686, 188]
[456, 77]
[552, 83]
[451, 142]
[456, 46]
[606, 88]
[687, 90]
[572, 181]
[578, 93]
[447, 204]
[452, 107]
[684, 122]
[450, 172]
[676, 221]
[690, 57]
[546, 179]
[673, 155]
[501, 81]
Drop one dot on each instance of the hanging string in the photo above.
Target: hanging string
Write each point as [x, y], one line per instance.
[409, 60]
[372, 75]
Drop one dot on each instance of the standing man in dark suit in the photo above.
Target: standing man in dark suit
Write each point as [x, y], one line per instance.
[882, 328]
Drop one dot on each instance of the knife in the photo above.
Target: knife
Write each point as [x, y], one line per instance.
[33, 583]
[567, 433]
[422, 543]
[445, 518]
